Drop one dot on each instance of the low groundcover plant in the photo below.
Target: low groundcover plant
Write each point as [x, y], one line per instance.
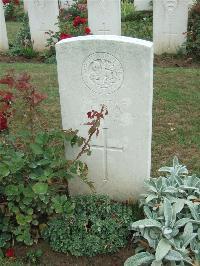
[170, 233]
[97, 226]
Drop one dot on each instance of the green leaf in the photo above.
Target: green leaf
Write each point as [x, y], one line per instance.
[173, 255]
[146, 223]
[150, 198]
[162, 249]
[178, 206]
[156, 263]
[182, 222]
[4, 170]
[36, 148]
[22, 219]
[40, 188]
[1, 253]
[139, 259]
[167, 212]
[11, 190]
[42, 138]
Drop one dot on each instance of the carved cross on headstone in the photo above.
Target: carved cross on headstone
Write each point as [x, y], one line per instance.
[105, 149]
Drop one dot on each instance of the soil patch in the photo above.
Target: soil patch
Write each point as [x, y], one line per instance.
[174, 61]
[20, 59]
[51, 258]
[160, 61]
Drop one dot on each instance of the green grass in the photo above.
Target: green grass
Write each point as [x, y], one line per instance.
[7, 262]
[12, 29]
[176, 123]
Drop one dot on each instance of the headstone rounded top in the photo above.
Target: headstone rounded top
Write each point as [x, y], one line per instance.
[115, 38]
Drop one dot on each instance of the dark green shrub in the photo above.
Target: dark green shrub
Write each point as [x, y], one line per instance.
[34, 171]
[139, 25]
[98, 226]
[193, 34]
[22, 45]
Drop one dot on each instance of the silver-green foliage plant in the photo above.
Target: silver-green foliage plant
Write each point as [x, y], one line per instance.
[172, 220]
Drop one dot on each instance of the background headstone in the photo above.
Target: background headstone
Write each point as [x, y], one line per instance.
[170, 18]
[142, 5]
[104, 17]
[3, 32]
[42, 18]
[115, 71]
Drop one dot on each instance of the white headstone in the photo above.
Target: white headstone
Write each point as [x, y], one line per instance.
[191, 3]
[104, 17]
[3, 32]
[42, 18]
[142, 5]
[117, 72]
[170, 18]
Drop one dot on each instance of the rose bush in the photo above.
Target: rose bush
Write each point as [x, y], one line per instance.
[34, 171]
[72, 22]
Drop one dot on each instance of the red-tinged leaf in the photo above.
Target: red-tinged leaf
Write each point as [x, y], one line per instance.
[38, 97]
[8, 80]
[89, 124]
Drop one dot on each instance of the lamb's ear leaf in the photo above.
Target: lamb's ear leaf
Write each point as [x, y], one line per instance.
[146, 223]
[139, 259]
[157, 263]
[174, 255]
[168, 212]
[162, 249]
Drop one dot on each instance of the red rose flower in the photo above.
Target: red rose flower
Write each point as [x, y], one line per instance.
[6, 2]
[83, 20]
[3, 124]
[78, 20]
[65, 36]
[87, 30]
[10, 253]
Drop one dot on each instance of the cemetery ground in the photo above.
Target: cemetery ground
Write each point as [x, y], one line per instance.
[176, 125]
[176, 128]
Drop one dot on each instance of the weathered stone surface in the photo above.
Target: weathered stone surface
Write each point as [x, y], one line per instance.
[42, 18]
[3, 32]
[170, 18]
[115, 71]
[104, 17]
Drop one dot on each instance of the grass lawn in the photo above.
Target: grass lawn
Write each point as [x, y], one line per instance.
[176, 123]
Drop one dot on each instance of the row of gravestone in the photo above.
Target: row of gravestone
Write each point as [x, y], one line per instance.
[170, 19]
[117, 72]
